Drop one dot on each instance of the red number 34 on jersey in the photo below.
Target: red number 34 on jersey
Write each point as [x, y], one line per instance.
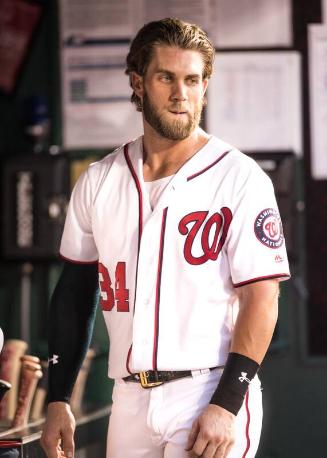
[109, 296]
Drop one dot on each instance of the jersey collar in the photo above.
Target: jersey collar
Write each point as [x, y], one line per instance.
[208, 156]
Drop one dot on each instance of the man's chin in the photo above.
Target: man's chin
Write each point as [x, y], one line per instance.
[176, 134]
[178, 126]
[171, 126]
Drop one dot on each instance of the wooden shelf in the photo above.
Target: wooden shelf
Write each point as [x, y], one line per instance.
[90, 434]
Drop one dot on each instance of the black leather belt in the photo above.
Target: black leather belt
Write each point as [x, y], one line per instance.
[150, 379]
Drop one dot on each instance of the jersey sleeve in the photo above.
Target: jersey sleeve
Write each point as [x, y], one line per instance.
[77, 243]
[255, 245]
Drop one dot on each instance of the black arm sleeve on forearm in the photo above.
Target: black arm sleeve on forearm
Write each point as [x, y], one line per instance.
[71, 319]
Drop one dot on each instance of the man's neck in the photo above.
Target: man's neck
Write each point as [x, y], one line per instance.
[164, 157]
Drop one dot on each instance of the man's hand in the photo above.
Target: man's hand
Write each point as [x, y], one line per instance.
[212, 434]
[57, 437]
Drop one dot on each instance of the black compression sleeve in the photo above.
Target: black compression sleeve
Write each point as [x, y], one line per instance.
[71, 319]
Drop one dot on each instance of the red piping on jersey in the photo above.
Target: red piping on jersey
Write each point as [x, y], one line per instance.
[139, 190]
[208, 167]
[254, 280]
[247, 429]
[77, 262]
[127, 359]
[156, 317]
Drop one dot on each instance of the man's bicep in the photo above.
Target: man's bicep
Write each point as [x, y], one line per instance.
[259, 291]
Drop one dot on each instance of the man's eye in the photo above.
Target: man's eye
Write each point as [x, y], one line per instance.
[165, 78]
[193, 81]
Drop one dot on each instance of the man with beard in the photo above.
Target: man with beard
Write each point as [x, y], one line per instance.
[184, 234]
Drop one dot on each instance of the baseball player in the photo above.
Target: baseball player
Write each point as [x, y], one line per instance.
[182, 234]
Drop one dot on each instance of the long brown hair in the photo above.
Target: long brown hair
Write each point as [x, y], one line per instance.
[169, 32]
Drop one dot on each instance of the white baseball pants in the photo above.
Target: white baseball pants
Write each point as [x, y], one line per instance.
[155, 423]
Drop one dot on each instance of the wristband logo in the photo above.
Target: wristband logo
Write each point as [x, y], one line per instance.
[244, 378]
[268, 228]
[54, 359]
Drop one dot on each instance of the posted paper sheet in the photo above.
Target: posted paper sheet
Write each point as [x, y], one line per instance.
[254, 100]
[318, 99]
[83, 19]
[251, 23]
[193, 11]
[96, 107]
[97, 111]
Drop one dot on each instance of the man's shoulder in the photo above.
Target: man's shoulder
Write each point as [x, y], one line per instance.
[238, 167]
[104, 164]
[233, 156]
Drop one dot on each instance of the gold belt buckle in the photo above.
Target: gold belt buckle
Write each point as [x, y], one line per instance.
[144, 380]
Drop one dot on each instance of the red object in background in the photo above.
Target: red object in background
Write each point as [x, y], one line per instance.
[18, 20]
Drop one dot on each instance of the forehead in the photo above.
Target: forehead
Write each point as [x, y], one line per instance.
[176, 60]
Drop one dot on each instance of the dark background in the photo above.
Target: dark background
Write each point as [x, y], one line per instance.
[295, 370]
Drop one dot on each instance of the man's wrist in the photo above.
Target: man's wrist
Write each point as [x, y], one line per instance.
[62, 399]
[217, 409]
[233, 385]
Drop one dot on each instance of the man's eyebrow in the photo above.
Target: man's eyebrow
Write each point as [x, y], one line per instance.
[163, 70]
[167, 72]
[194, 75]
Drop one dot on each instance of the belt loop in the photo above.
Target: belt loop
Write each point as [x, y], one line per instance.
[198, 372]
[204, 371]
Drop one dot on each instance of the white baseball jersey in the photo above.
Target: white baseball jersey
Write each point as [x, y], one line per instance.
[168, 275]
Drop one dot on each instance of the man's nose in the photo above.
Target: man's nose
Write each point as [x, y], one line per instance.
[179, 91]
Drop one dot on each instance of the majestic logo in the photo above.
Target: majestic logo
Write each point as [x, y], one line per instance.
[278, 258]
[213, 236]
[268, 228]
[244, 378]
[54, 359]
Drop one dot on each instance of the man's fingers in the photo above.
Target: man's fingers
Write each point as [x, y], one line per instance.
[210, 451]
[68, 443]
[52, 448]
[223, 450]
[50, 445]
[200, 444]
[220, 452]
[228, 449]
[192, 436]
[60, 451]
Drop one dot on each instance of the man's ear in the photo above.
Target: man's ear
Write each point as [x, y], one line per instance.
[205, 83]
[137, 84]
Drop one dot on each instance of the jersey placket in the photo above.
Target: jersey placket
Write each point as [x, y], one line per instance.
[146, 309]
[146, 322]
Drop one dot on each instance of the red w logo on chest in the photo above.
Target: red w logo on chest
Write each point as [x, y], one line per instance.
[213, 236]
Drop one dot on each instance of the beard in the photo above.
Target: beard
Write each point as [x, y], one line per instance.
[177, 129]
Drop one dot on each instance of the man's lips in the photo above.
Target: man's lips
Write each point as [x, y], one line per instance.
[178, 112]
